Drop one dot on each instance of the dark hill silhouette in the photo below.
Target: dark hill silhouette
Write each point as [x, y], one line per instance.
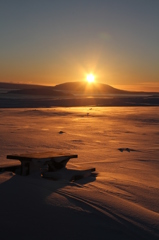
[69, 88]
[61, 89]
[62, 96]
[90, 88]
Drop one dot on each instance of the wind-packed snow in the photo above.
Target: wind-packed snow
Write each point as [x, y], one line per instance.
[118, 201]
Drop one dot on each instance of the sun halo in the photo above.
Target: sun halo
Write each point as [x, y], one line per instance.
[90, 78]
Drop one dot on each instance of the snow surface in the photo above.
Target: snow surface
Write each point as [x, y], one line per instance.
[119, 201]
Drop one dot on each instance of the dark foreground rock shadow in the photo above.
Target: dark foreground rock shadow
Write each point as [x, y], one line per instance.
[26, 212]
[53, 181]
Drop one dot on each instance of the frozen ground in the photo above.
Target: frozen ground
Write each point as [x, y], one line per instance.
[119, 202]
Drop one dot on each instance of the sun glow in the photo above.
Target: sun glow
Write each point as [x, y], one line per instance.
[90, 78]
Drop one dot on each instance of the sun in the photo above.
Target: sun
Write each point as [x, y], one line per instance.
[90, 78]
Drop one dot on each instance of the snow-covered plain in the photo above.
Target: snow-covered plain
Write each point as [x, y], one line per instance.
[119, 201]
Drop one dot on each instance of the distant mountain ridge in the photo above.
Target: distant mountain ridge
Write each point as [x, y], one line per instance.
[84, 87]
[88, 88]
[62, 89]
[67, 89]
[72, 94]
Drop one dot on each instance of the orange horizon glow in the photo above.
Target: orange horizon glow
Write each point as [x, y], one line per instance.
[141, 87]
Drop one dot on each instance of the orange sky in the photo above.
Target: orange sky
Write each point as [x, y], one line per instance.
[55, 42]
